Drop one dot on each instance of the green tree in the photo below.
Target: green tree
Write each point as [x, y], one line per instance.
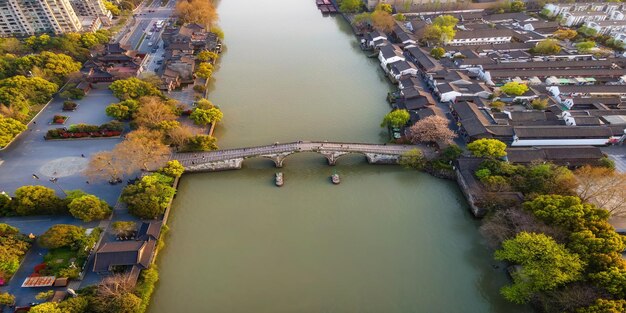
[6, 299]
[547, 47]
[28, 90]
[385, 7]
[201, 143]
[205, 56]
[383, 21]
[545, 265]
[149, 197]
[514, 88]
[563, 34]
[123, 227]
[74, 305]
[437, 52]
[518, 6]
[613, 280]
[89, 208]
[205, 117]
[44, 295]
[62, 235]
[46, 307]
[34, 200]
[9, 128]
[487, 148]
[565, 211]
[204, 104]
[204, 70]
[133, 88]
[605, 306]
[539, 104]
[350, 6]
[585, 46]
[172, 168]
[413, 158]
[112, 7]
[396, 118]
[125, 303]
[11, 45]
[123, 110]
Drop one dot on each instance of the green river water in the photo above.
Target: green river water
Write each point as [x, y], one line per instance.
[385, 240]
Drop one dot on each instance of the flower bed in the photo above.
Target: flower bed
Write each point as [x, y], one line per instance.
[59, 119]
[111, 129]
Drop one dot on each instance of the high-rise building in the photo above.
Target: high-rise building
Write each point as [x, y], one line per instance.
[28, 17]
[92, 8]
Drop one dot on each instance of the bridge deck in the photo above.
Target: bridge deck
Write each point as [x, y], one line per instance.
[190, 158]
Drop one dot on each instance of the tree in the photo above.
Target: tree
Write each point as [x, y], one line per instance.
[74, 305]
[497, 104]
[603, 187]
[413, 158]
[125, 303]
[180, 136]
[112, 7]
[585, 46]
[400, 17]
[34, 200]
[613, 280]
[89, 208]
[396, 119]
[204, 70]
[205, 117]
[172, 168]
[437, 52]
[384, 7]
[153, 111]
[27, 90]
[46, 307]
[518, 6]
[44, 295]
[122, 111]
[539, 104]
[547, 47]
[383, 21]
[9, 128]
[487, 148]
[567, 212]
[205, 56]
[350, 6]
[123, 227]
[196, 11]
[545, 265]
[133, 88]
[6, 299]
[142, 149]
[62, 235]
[431, 129]
[204, 104]
[514, 88]
[563, 34]
[362, 19]
[149, 197]
[201, 143]
[605, 306]
[11, 45]
[108, 165]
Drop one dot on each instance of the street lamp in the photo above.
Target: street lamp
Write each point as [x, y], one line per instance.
[53, 180]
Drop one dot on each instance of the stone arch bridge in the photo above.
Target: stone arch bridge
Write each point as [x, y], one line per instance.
[233, 158]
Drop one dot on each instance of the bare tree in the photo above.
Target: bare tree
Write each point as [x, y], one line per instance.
[179, 136]
[506, 223]
[115, 285]
[107, 165]
[431, 129]
[143, 149]
[603, 187]
[152, 111]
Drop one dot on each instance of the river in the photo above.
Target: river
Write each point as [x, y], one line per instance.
[385, 240]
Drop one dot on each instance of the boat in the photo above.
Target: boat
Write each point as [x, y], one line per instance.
[279, 179]
[335, 179]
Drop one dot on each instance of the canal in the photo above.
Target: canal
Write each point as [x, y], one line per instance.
[385, 240]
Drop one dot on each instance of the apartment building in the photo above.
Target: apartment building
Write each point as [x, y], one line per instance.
[92, 8]
[28, 17]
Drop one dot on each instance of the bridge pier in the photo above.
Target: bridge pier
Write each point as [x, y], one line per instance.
[332, 156]
[376, 158]
[278, 158]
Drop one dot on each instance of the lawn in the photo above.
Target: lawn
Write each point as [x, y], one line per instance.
[60, 259]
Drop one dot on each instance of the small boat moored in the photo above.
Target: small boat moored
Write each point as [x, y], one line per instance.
[335, 179]
[279, 179]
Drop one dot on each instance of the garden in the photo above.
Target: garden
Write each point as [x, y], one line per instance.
[59, 119]
[69, 246]
[13, 247]
[111, 129]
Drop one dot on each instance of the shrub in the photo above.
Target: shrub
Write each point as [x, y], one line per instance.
[37, 200]
[69, 105]
[62, 235]
[172, 168]
[145, 287]
[199, 88]
[89, 208]
[149, 197]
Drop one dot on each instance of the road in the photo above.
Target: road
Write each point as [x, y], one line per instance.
[144, 20]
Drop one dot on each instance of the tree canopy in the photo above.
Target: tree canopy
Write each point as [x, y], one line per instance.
[350, 6]
[62, 235]
[36, 200]
[123, 110]
[585, 46]
[172, 168]
[431, 129]
[437, 52]
[545, 265]
[396, 118]
[196, 11]
[9, 128]
[547, 47]
[487, 148]
[133, 88]
[149, 197]
[89, 208]
[514, 88]
[206, 116]
[204, 70]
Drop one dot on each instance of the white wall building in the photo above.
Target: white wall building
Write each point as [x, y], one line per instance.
[28, 17]
[92, 8]
[481, 37]
[607, 27]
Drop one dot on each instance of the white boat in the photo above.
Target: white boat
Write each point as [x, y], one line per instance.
[279, 179]
[335, 179]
